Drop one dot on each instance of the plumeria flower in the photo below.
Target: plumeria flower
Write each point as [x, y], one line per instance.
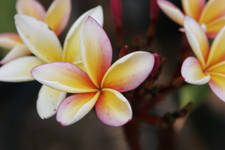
[210, 15]
[57, 17]
[46, 47]
[100, 85]
[209, 66]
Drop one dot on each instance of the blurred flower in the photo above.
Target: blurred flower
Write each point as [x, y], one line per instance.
[101, 84]
[57, 17]
[46, 47]
[209, 66]
[116, 10]
[124, 51]
[153, 16]
[117, 16]
[210, 15]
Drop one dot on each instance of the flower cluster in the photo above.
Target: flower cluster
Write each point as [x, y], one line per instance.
[79, 76]
[210, 15]
[56, 17]
[202, 20]
[81, 66]
[210, 63]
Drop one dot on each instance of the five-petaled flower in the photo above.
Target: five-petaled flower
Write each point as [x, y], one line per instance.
[100, 84]
[46, 47]
[210, 15]
[209, 66]
[57, 17]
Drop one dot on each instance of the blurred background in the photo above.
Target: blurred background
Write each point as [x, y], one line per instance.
[22, 129]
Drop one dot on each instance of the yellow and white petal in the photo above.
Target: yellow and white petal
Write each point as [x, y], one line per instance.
[41, 41]
[112, 108]
[129, 72]
[197, 39]
[48, 101]
[96, 50]
[214, 27]
[217, 84]
[192, 72]
[193, 8]
[31, 7]
[16, 52]
[212, 10]
[75, 107]
[58, 14]
[172, 11]
[10, 40]
[71, 51]
[63, 76]
[217, 68]
[19, 69]
[217, 52]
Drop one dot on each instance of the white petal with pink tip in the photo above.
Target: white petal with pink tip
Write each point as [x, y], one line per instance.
[48, 101]
[31, 7]
[96, 50]
[75, 107]
[193, 8]
[63, 76]
[197, 39]
[212, 10]
[217, 52]
[217, 85]
[10, 40]
[192, 72]
[39, 38]
[129, 72]
[172, 11]
[71, 51]
[113, 108]
[19, 69]
[16, 52]
[58, 15]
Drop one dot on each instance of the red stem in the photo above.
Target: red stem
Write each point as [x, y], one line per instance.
[131, 130]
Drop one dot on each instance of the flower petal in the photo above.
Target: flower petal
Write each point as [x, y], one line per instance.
[212, 10]
[217, 85]
[217, 68]
[31, 7]
[58, 15]
[75, 107]
[193, 8]
[63, 76]
[192, 72]
[112, 108]
[214, 27]
[10, 40]
[48, 101]
[19, 69]
[39, 38]
[129, 72]
[217, 52]
[172, 11]
[71, 51]
[16, 52]
[196, 38]
[96, 50]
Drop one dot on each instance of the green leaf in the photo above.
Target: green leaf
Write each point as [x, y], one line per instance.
[194, 94]
[7, 12]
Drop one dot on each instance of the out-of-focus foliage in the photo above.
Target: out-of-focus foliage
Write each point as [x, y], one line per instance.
[7, 19]
[195, 94]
